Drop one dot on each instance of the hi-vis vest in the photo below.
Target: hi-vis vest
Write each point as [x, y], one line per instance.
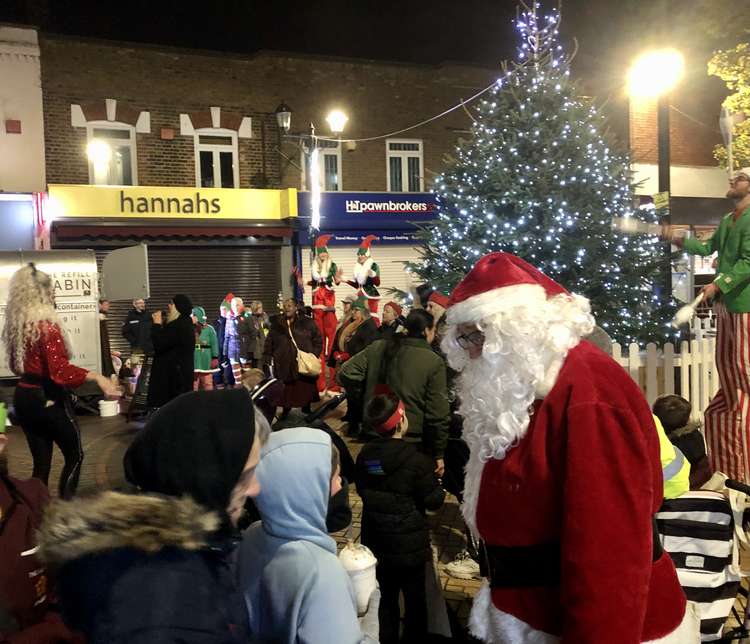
[674, 466]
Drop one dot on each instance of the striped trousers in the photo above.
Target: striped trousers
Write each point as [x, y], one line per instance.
[727, 418]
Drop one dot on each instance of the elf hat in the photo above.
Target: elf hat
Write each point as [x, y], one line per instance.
[227, 302]
[364, 247]
[321, 244]
[200, 314]
[360, 303]
[497, 282]
[396, 308]
[436, 297]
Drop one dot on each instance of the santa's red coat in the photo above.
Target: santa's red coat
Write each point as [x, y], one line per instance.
[587, 477]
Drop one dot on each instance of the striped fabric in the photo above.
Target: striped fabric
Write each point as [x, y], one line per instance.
[727, 418]
[697, 530]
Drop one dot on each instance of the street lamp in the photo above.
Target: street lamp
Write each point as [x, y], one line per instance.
[653, 75]
[336, 121]
[284, 117]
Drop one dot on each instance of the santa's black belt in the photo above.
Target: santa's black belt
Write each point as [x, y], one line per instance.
[531, 566]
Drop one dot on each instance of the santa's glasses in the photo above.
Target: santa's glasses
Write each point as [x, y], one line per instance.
[475, 338]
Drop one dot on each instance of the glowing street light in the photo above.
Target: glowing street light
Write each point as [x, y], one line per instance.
[336, 120]
[655, 73]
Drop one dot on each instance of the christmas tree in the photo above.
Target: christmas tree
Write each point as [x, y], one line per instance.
[536, 177]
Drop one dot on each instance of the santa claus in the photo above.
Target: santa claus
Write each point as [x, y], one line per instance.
[367, 277]
[564, 475]
[325, 274]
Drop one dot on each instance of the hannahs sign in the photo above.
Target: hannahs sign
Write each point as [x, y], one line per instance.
[173, 203]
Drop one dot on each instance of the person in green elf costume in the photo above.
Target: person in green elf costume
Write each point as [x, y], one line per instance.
[367, 277]
[206, 357]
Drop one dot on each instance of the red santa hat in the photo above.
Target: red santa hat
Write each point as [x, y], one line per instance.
[498, 281]
[364, 247]
[396, 308]
[321, 244]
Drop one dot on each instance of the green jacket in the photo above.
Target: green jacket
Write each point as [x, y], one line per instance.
[206, 349]
[732, 241]
[418, 377]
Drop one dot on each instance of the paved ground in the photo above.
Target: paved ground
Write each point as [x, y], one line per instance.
[106, 439]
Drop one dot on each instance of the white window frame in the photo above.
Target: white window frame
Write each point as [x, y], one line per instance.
[404, 156]
[113, 125]
[199, 147]
[322, 154]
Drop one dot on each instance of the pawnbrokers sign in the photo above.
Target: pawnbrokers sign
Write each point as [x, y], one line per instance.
[171, 203]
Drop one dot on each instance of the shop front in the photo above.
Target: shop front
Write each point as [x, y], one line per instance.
[203, 242]
[350, 216]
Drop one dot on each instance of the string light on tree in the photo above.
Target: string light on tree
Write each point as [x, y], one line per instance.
[538, 178]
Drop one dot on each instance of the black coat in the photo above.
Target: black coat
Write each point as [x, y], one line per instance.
[172, 371]
[397, 484]
[364, 336]
[116, 587]
[279, 348]
[137, 330]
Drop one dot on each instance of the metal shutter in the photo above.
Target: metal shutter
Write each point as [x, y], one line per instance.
[392, 271]
[205, 274]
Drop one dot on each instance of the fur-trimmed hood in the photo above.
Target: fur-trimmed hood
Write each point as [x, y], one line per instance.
[73, 529]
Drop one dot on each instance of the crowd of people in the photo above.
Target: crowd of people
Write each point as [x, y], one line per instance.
[502, 392]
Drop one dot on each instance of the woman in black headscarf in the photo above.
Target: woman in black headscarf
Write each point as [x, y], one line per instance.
[153, 567]
[174, 346]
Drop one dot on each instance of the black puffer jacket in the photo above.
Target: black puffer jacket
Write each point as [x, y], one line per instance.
[397, 484]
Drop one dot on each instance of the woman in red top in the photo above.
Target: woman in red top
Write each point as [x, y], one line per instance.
[37, 351]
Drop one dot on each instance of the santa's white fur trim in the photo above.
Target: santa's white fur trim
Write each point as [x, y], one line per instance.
[472, 483]
[484, 305]
[490, 624]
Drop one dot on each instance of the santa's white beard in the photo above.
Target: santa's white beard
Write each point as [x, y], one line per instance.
[362, 271]
[523, 351]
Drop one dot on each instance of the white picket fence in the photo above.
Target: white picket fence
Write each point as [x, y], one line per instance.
[691, 372]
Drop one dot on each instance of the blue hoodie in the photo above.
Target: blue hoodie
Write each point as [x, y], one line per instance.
[295, 588]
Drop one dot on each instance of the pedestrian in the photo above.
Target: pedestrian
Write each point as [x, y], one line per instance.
[295, 588]
[727, 417]
[155, 566]
[564, 475]
[137, 329]
[397, 484]
[346, 318]
[393, 320]
[26, 611]
[206, 353]
[224, 377]
[259, 322]
[366, 277]
[174, 346]
[38, 351]
[108, 368]
[408, 365]
[289, 333]
[239, 335]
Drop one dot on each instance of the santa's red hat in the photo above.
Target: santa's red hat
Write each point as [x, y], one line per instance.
[321, 244]
[364, 247]
[497, 282]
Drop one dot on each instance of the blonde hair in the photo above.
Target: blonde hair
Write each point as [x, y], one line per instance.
[30, 301]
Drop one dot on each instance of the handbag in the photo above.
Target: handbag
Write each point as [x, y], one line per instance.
[308, 364]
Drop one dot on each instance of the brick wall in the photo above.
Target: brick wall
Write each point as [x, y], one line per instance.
[378, 98]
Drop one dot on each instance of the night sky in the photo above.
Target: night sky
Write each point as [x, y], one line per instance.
[608, 32]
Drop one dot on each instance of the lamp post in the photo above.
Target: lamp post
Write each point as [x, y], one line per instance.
[652, 76]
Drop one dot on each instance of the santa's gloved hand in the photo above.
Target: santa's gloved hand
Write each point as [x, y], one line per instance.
[369, 622]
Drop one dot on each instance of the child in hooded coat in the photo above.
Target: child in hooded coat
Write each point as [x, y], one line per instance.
[296, 590]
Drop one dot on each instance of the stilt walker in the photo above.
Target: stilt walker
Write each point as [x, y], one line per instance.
[325, 274]
[367, 277]
[727, 418]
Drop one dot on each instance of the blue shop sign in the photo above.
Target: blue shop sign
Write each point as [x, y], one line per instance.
[389, 215]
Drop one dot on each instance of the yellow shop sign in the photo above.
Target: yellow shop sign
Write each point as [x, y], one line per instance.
[171, 203]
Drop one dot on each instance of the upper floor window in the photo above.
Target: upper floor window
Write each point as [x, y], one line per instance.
[111, 153]
[216, 159]
[404, 158]
[329, 156]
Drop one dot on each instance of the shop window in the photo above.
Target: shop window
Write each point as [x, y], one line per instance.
[404, 164]
[329, 153]
[111, 152]
[216, 164]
